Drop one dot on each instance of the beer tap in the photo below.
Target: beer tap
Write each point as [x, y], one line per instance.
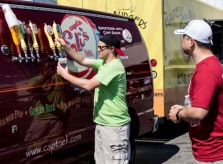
[58, 34]
[15, 37]
[29, 40]
[22, 41]
[41, 40]
[34, 30]
[48, 31]
[13, 25]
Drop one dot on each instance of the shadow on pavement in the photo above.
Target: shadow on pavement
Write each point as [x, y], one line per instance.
[168, 130]
[154, 153]
[152, 148]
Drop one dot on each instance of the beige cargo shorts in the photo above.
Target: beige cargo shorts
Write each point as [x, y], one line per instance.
[112, 144]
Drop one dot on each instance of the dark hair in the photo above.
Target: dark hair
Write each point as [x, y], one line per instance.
[203, 45]
[112, 40]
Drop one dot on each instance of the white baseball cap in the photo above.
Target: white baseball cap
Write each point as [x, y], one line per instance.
[198, 30]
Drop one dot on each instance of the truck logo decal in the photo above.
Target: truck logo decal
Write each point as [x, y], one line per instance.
[81, 34]
[127, 35]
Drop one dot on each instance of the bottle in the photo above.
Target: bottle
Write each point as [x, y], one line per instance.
[187, 104]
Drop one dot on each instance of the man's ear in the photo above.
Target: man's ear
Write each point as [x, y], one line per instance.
[192, 42]
[113, 49]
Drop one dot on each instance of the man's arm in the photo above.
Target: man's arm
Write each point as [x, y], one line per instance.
[192, 114]
[87, 84]
[76, 56]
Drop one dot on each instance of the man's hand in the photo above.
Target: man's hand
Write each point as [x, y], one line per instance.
[173, 111]
[63, 72]
[61, 41]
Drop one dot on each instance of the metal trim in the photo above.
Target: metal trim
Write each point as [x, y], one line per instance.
[65, 11]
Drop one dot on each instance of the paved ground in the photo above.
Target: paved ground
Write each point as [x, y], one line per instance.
[184, 155]
[169, 145]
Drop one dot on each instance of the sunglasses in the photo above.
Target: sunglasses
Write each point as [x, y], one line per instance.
[101, 48]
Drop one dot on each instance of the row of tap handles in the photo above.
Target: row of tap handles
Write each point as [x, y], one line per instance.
[29, 31]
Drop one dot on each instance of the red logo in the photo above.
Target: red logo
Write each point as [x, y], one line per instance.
[80, 33]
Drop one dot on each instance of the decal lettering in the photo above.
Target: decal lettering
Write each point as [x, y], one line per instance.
[16, 114]
[41, 109]
[183, 13]
[139, 21]
[75, 102]
[75, 25]
[183, 78]
[158, 94]
[55, 145]
[50, 108]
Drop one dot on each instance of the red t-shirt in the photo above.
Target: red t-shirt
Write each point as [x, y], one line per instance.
[206, 91]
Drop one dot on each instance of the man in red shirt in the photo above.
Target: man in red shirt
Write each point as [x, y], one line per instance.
[206, 95]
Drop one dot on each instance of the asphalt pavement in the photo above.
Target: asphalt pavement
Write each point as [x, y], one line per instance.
[169, 145]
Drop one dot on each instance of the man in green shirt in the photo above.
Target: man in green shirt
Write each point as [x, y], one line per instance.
[110, 110]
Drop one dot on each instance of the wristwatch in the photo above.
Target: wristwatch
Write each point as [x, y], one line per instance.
[177, 115]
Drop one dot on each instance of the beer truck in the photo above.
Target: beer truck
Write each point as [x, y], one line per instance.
[44, 118]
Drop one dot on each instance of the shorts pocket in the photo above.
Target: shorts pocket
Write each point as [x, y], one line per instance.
[119, 151]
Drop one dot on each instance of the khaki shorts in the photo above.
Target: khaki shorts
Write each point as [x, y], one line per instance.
[112, 144]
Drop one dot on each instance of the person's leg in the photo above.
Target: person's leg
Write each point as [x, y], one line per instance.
[115, 144]
[98, 152]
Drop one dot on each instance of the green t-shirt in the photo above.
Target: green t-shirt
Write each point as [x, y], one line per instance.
[110, 107]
